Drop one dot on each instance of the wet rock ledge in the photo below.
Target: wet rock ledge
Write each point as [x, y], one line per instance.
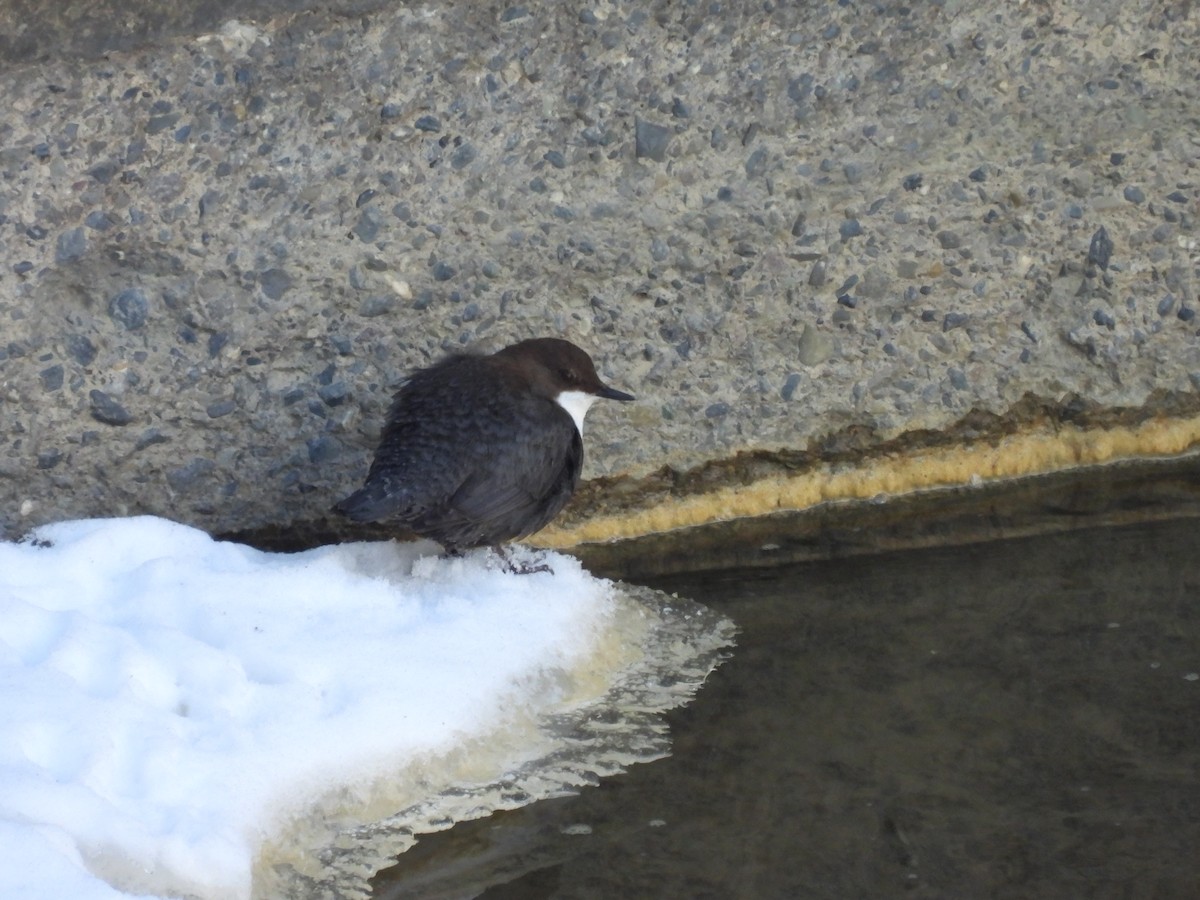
[786, 227]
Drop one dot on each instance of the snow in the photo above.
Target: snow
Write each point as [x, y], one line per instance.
[169, 704]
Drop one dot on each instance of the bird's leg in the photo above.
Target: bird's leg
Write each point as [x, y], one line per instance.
[515, 568]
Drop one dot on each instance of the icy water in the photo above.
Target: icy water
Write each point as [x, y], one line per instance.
[1014, 718]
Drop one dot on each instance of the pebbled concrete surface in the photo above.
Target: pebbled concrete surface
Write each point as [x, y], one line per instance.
[220, 252]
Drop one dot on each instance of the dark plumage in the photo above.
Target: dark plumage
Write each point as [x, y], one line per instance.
[480, 450]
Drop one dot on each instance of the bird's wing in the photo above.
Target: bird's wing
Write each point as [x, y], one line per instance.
[523, 485]
[412, 474]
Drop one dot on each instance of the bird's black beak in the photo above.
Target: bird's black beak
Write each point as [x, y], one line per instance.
[613, 394]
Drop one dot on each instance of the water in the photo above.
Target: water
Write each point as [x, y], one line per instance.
[1014, 718]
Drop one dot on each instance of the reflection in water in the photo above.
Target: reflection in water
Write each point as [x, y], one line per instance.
[1017, 718]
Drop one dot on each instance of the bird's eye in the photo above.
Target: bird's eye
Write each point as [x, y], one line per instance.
[569, 375]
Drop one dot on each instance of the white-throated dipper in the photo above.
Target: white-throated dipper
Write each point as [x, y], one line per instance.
[480, 450]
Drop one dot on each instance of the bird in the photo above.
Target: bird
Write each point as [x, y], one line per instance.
[479, 451]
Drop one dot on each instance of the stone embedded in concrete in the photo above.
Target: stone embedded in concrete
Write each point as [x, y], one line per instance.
[107, 410]
[652, 140]
[129, 308]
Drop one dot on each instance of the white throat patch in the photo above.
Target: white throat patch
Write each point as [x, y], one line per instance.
[576, 403]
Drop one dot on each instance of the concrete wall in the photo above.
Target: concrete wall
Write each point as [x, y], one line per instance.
[773, 222]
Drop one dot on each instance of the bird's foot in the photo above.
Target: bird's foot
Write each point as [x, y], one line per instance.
[521, 567]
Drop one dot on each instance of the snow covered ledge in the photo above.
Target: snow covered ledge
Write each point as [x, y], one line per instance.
[187, 717]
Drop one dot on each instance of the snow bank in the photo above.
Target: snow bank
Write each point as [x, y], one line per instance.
[185, 717]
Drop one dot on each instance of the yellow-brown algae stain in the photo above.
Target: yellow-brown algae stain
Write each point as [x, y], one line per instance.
[1038, 450]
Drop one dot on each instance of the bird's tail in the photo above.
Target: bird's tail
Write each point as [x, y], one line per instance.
[369, 503]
